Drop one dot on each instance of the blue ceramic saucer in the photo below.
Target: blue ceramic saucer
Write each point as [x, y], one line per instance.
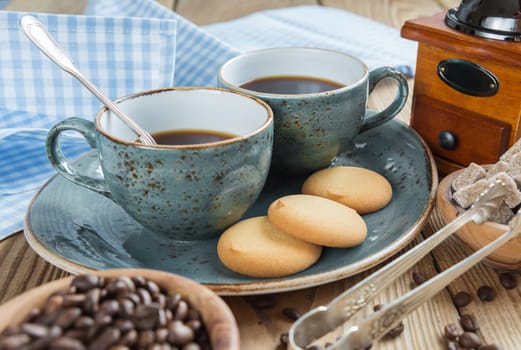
[79, 230]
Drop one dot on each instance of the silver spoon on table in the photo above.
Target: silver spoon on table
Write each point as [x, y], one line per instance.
[39, 35]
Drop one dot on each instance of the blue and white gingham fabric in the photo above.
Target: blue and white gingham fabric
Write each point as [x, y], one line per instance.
[119, 54]
[125, 46]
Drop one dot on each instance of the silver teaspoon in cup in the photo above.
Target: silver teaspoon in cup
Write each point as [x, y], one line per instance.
[39, 35]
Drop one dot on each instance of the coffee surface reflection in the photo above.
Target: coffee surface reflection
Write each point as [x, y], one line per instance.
[291, 85]
[190, 137]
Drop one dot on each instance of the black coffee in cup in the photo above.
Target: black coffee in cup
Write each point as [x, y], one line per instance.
[291, 85]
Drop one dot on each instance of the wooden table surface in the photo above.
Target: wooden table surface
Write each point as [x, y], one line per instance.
[500, 319]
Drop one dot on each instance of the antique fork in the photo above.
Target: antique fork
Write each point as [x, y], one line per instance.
[324, 319]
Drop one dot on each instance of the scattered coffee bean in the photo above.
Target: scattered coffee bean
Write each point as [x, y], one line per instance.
[418, 278]
[462, 299]
[262, 302]
[394, 332]
[486, 293]
[118, 313]
[507, 280]
[452, 331]
[291, 313]
[469, 340]
[469, 323]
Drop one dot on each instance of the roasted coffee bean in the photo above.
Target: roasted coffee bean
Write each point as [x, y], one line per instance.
[106, 339]
[124, 325]
[418, 278]
[130, 296]
[181, 310]
[462, 299]
[145, 339]
[126, 307]
[192, 346]
[486, 293]
[83, 283]
[65, 343]
[153, 288]
[507, 280]
[146, 316]
[68, 317]
[130, 338]
[14, 341]
[92, 298]
[109, 307]
[112, 313]
[161, 335]
[452, 345]
[194, 324]
[139, 281]
[35, 330]
[394, 332]
[291, 313]
[82, 335]
[262, 302]
[70, 300]
[469, 340]
[490, 347]
[179, 334]
[469, 323]
[144, 295]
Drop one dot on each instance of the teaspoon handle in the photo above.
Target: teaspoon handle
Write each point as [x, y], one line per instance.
[39, 35]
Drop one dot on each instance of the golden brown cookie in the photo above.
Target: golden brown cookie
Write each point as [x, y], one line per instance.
[254, 247]
[362, 189]
[318, 220]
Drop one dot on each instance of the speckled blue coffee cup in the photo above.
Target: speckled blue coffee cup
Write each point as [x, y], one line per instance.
[311, 129]
[184, 192]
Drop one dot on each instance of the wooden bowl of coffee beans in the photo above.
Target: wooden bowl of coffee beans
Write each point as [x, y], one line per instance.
[119, 309]
[475, 236]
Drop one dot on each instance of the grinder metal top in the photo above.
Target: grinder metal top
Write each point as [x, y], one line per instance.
[492, 19]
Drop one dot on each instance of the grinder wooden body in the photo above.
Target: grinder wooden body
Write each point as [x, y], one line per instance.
[462, 122]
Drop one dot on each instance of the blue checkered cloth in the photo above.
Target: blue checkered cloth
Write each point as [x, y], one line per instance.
[135, 45]
[119, 54]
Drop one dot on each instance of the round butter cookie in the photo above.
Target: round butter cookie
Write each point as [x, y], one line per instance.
[362, 189]
[255, 248]
[318, 220]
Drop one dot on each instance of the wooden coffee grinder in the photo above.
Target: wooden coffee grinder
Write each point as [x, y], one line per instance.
[467, 89]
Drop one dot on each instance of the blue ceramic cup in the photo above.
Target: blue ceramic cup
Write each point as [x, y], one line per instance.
[181, 191]
[312, 128]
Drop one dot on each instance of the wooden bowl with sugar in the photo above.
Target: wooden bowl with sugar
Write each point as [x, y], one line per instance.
[475, 236]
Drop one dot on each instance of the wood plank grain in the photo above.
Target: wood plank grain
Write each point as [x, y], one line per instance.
[204, 12]
[392, 12]
[48, 6]
[499, 319]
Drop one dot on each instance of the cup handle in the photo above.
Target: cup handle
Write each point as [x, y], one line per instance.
[55, 154]
[396, 105]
